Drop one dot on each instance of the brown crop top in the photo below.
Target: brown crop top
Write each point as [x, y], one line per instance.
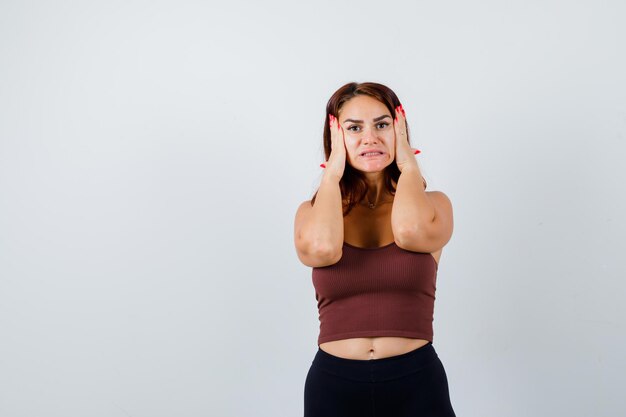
[369, 292]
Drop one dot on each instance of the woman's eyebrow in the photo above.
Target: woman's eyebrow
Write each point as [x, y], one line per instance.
[361, 121]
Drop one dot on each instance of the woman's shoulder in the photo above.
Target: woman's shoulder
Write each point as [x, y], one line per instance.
[304, 207]
[439, 195]
[310, 203]
[304, 204]
[441, 201]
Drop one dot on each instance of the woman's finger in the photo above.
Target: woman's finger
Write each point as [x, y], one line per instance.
[336, 136]
[337, 157]
[399, 124]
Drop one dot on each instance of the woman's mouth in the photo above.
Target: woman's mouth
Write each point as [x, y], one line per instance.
[369, 155]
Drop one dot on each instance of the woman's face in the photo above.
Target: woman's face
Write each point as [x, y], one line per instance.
[367, 126]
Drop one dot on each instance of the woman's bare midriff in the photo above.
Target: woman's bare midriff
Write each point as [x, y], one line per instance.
[365, 348]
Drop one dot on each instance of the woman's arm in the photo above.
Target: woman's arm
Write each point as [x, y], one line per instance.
[420, 221]
[319, 229]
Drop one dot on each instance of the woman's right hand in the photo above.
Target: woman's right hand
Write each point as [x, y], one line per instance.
[337, 160]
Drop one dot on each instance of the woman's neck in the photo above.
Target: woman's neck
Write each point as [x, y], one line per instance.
[376, 190]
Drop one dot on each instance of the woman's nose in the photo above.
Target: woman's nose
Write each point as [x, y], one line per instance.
[370, 135]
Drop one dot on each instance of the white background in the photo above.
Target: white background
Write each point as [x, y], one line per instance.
[153, 154]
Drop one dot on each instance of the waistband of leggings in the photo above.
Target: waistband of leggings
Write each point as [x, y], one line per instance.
[372, 370]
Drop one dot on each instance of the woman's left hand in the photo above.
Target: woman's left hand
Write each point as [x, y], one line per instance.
[405, 155]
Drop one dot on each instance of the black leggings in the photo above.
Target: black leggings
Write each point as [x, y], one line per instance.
[413, 384]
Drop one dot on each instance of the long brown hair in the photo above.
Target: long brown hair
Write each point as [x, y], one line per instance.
[352, 184]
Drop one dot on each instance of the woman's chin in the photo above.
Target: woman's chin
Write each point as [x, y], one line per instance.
[372, 167]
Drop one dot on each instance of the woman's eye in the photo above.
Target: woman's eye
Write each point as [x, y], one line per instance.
[381, 125]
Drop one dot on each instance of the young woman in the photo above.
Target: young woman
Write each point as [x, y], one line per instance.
[373, 236]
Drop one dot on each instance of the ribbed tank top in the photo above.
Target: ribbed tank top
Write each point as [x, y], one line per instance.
[370, 292]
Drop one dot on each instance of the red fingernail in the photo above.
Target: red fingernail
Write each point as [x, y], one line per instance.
[417, 151]
[323, 165]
